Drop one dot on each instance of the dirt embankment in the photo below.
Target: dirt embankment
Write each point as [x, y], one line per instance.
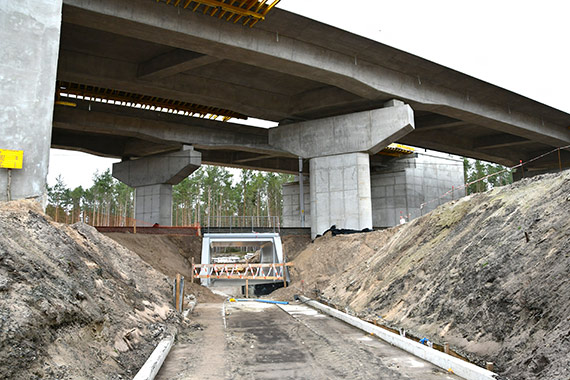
[169, 254]
[489, 273]
[73, 303]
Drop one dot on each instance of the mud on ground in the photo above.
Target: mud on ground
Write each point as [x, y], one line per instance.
[490, 274]
[73, 303]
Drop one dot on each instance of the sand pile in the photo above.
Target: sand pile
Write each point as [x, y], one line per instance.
[73, 303]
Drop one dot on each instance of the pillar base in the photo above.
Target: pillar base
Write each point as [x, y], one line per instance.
[340, 192]
[154, 204]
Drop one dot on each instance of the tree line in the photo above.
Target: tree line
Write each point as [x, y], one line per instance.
[209, 196]
[476, 171]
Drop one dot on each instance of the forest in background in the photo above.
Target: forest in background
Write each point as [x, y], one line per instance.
[208, 197]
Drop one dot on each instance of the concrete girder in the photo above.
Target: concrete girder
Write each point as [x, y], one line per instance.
[456, 144]
[262, 47]
[499, 141]
[88, 143]
[435, 121]
[172, 63]
[368, 131]
[120, 75]
[244, 160]
[161, 127]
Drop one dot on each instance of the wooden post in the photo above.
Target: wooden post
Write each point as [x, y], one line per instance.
[559, 160]
[284, 275]
[192, 278]
[490, 366]
[246, 288]
[177, 290]
[135, 211]
[446, 347]
[9, 185]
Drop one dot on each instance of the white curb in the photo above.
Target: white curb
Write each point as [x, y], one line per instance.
[459, 367]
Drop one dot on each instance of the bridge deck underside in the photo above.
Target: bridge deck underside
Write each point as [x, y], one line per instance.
[96, 50]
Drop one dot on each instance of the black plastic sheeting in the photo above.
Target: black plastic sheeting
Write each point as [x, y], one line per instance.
[344, 231]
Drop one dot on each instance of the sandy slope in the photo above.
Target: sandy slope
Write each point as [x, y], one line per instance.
[466, 274]
[73, 303]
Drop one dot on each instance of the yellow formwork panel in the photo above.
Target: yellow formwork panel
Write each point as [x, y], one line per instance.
[248, 12]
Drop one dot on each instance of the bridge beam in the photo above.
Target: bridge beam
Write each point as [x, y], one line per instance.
[153, 177]
[30, 35]
[321, 58]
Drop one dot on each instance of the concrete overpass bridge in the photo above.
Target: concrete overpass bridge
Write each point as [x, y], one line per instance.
[338, 98]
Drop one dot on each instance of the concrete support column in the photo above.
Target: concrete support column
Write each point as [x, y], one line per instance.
[29, 32]
[154, 203]
[338, 150]
[340, 192]
[153, 177]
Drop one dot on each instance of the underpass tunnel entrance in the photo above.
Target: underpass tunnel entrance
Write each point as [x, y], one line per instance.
[230, 261]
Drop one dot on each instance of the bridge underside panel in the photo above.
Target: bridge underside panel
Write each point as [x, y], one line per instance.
[293, 74]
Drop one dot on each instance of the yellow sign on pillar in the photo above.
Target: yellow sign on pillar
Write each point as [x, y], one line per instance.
[11, 159]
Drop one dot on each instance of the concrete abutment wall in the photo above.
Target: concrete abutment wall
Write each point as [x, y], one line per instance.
[30, 34]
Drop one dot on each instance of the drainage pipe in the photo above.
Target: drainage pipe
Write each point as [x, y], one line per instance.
[149, 370]
[459, 367]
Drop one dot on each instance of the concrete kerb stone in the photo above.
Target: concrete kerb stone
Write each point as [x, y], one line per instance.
[151, 367]
[459, 367]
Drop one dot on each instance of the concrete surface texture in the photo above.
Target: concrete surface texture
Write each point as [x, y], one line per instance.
[291, 70]
[28, 63]
[153, 177]
[368, 131]
[340, 192]
[249, 340]
[291, 213]
[402, 186]
[153, 204]
[398, 187]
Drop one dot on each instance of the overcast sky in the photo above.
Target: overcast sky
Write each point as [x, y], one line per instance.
[518, 45]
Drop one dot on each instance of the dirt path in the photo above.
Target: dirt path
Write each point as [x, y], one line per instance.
[263, 341]
[202, 353]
